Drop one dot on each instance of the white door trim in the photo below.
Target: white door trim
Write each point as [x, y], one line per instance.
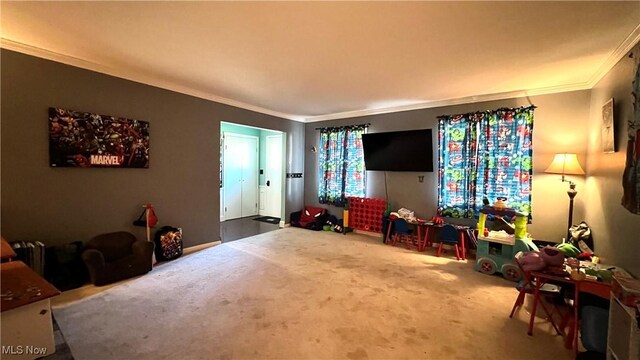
[271, 209]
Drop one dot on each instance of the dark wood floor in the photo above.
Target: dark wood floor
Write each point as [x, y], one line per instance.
[241, 228]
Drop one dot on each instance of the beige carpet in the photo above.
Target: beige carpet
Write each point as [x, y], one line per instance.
[299, 294]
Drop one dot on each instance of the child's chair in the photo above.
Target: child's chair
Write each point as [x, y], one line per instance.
[527, 286]
[401, 232]
[449, 236]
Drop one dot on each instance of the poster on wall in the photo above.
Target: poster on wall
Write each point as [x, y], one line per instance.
[81, 139]
[608, 138]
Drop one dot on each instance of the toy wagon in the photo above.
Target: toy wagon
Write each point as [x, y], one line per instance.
[496, 254]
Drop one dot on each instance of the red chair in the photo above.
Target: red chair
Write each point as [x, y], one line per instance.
[527, 286]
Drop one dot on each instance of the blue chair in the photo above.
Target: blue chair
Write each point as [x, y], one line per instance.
[401, 232]
[449, 236]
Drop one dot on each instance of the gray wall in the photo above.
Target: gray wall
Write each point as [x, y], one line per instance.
[616, 230]
[57, 205]
[560, 126]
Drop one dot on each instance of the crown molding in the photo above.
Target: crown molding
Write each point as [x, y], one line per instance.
[621, 51]
[137, 77]
[453, 101]
[618, 53]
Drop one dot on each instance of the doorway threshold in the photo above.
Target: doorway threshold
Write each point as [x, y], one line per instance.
[236, 229]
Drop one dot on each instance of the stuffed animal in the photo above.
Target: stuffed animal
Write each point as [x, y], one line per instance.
[334, 223]
[532, 261]
[312, 218]
[552, 256]
[339, 227]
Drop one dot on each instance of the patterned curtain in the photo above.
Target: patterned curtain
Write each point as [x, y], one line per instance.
[631, 174]
[505, 157]
[485, 154]
[341, 164]
[457, 165]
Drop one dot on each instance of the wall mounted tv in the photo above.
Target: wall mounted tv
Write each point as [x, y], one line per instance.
[398, 151]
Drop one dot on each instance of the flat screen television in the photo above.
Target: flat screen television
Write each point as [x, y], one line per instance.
[399, 151]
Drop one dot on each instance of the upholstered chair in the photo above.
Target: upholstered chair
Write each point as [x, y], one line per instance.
[115, 256]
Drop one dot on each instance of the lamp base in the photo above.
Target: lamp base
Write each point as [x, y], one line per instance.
[572, 194]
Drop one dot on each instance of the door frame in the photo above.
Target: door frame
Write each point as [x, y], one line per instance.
[281, 170]
[223, 197]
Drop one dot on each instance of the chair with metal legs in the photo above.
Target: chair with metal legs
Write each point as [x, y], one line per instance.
[527, 286]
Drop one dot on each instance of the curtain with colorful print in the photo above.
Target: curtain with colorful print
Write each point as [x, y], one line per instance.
[341, 164]
[631, 174]
[485, 155]
[505, 157]
[457, 159]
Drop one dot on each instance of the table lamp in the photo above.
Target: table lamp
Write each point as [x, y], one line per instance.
[567, 164]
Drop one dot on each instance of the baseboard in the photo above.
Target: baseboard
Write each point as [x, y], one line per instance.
[192, 249]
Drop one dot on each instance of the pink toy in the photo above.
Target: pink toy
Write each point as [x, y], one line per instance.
[532, 261]
[552, 256]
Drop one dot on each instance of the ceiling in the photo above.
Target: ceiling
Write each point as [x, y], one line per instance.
[323, 60]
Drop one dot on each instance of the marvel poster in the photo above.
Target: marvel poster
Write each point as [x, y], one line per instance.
[80, 139]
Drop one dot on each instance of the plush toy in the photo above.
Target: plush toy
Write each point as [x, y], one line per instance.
[568, 250]
[532, 261]
[339, 227]
[334, 224]
[552, 256]
[312, 218]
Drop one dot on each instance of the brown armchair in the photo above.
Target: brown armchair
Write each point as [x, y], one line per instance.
[116, 256]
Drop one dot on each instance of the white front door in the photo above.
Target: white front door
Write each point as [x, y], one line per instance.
[232, 177]
[273, 175]
[240, 176]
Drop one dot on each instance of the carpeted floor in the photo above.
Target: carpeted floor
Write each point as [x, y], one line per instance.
[297, 294]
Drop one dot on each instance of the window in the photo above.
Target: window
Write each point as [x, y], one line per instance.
[486, 154]
[341, 164]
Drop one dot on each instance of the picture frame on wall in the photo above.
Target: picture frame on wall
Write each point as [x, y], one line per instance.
[87, 140]
[608, 136]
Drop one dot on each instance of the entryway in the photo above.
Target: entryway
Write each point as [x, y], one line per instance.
[244, 227]
[251, 180]
[240, 180]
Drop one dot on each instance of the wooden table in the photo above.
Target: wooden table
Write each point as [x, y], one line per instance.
[427, 227]
[6, 251]
[27, 329]
[598, 288]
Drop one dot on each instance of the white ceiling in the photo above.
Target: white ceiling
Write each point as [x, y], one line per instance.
[323, 60]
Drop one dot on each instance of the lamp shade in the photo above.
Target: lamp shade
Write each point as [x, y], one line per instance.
[565, 164]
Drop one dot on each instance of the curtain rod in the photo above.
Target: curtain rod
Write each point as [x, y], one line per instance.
[489, 111]
[344, 127]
